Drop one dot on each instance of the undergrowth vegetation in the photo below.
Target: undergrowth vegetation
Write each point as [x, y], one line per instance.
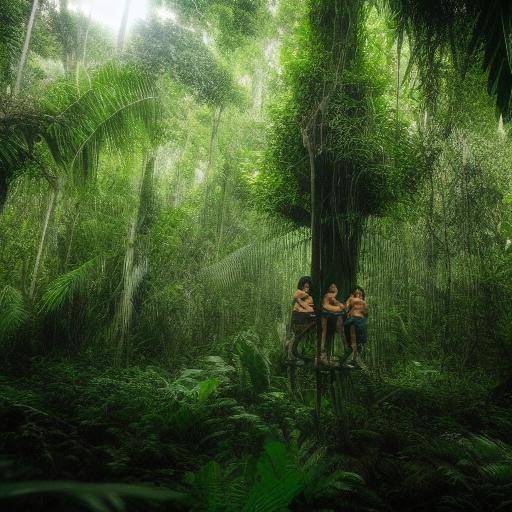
[226, 436]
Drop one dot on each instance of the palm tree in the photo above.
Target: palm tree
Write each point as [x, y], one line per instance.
[75, 125]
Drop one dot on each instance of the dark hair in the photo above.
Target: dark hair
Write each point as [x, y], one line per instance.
[329, 285]
[303, 281]
[358, 288]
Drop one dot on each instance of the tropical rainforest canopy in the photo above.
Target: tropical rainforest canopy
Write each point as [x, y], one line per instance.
[169, 169]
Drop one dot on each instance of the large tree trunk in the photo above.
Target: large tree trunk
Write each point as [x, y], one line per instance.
[336, 227]
[26, 44]
[340, 241]
[335, 221]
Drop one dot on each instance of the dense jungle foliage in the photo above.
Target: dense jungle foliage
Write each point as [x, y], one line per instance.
[167, 178]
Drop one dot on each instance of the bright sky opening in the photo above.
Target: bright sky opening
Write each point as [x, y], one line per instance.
[110, 13]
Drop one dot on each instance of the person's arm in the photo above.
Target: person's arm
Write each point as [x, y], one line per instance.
[335, 305]
[300, 297]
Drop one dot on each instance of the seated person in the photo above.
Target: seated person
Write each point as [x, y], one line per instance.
[332, 309]
[356, 323]
[303, 313]
[302, 301]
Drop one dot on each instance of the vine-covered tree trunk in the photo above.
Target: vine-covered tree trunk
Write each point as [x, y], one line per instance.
[335, 219]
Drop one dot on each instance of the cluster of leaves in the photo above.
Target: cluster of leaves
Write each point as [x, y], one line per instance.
[339, 90]
[166, 47]
[12, 18]
[233, 22]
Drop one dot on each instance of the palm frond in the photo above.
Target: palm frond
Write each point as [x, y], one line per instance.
[253, 259]
[119, 103]
[436, 27]
[20, 125]
[14, 312]
[66, 286]
[98, 497]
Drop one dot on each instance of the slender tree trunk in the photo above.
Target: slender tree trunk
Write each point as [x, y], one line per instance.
[64, 26]
[222, 207]
[86, 35]
[70, 241]
[26, 44]
[42, 242]
[216, 117]
[213, 137]
[121, 36]
[176, 196]
[135, 264]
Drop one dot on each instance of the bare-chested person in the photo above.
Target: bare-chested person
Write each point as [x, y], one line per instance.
[332, 310]
[303, 313]
[356, 323]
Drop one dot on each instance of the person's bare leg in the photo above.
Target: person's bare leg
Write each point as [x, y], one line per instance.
[339, 330]
[353, 342]
[290, 346]
[298, 333]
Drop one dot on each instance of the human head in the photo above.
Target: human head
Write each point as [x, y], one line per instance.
[304, 282]
[359, 291]
[332, 288]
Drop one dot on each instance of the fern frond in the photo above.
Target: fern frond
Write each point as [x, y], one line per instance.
[208, 486]
[254, 364]
[278, 481]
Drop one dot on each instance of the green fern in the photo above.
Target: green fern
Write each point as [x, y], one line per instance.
[254, 365]
[208, 487]
[277, 481]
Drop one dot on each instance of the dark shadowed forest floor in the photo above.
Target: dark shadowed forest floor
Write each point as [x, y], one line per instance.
[227, 436]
